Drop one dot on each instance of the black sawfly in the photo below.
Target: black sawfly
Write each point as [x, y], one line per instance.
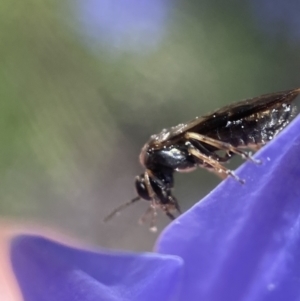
[207, 142]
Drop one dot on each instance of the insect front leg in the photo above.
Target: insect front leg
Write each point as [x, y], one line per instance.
[152, 209]
[144, 217]
[220, 145]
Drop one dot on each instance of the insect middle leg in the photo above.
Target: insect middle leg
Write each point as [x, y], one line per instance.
[214, 164]
[170, 207]
[220, 145]
[170, 215]
[176, 205]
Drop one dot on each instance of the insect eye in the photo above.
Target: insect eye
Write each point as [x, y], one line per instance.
[141, 188]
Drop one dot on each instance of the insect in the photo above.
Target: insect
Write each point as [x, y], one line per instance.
[208, 142]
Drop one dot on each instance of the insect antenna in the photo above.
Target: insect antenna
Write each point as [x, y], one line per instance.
[120, 208]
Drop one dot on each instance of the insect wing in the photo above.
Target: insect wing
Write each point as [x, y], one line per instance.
[243, 109]
[212, 124]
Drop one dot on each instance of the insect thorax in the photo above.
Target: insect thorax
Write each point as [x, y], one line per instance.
[173, 157]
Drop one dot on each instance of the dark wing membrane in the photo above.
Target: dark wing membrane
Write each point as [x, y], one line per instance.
[229, 123]
[243, 109]
[252, 122]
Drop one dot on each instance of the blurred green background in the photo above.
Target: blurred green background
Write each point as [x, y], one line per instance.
[84, 83]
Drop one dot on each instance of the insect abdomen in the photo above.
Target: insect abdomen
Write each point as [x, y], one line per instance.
[258, 128]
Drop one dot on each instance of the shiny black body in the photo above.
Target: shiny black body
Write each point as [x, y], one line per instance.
[207, 142]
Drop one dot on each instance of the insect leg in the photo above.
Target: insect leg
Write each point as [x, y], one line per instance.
[170, 215]
[151, 192]
[153, 196]
[143, 218]
[176, 204]
[201, 147]
[220, 145]
[214, 164]
[153, 227]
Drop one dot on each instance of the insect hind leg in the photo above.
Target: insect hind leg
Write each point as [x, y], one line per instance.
[221, 145]
[211, 151]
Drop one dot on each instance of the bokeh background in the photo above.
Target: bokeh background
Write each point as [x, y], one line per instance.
[84, 83]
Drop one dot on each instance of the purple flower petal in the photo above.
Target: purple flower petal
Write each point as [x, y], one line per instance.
[242, 242]
[126, 24]
[278, 17]
[49, 271]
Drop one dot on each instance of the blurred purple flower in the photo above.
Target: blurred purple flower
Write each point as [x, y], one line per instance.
[278, 17]
[126, 25]
[49, 271]
[241, 243]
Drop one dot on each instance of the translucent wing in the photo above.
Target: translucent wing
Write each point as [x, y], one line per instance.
[258, 118]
